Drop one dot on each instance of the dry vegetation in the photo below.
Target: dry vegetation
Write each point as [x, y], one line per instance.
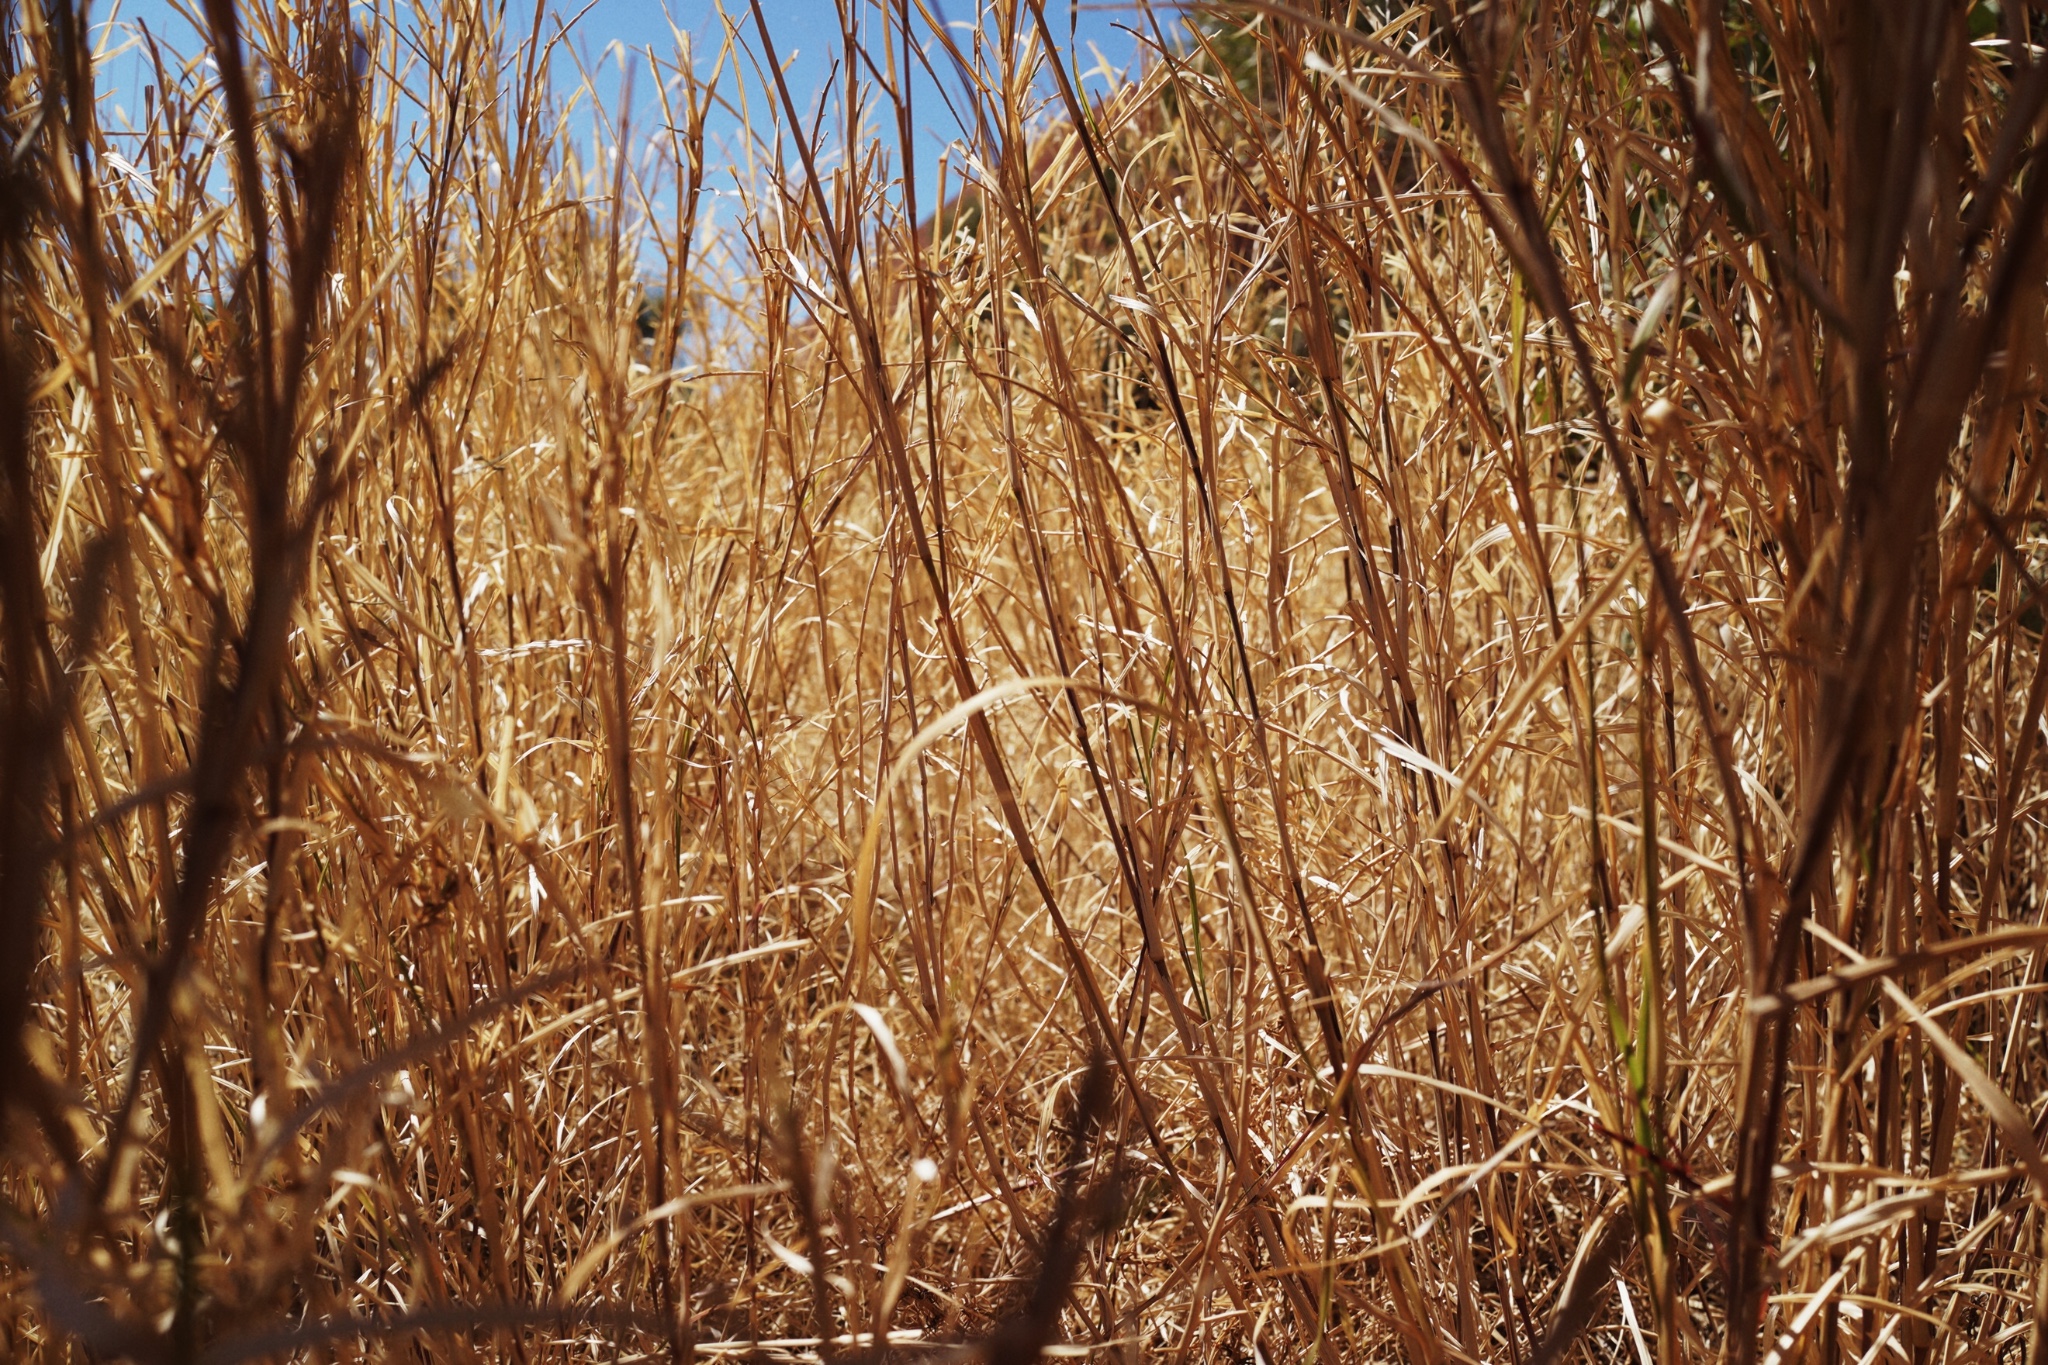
[1386, 681]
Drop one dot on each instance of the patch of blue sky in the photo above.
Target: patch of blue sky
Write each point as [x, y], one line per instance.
[607, 50]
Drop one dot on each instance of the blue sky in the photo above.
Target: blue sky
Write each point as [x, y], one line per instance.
[805, 32]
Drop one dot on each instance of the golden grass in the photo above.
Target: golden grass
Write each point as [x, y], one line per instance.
[1385, 682]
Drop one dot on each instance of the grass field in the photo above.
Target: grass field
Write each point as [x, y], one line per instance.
[1378, 699]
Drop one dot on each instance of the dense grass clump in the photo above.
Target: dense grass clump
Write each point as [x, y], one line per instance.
[1378, 699]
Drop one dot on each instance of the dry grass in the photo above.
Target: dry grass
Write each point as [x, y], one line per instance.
[1387, 681]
